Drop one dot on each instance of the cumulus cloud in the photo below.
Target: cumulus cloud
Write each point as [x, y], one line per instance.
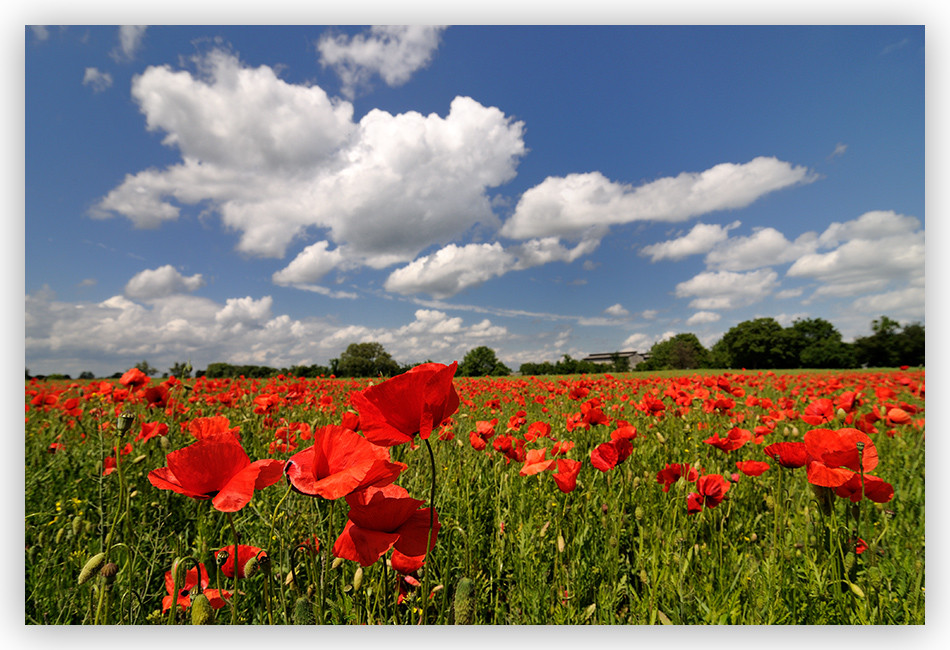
[99, 81]
[702, 317]
[161, 282]
[617, 310]
[700, 239]
[394, 52]
[638, 342]
[453, 268]
[113, 334]
[130, 40]
[290, 163]
[765, 247]
[717, 290]
[878, 251]
[578, 203]
[314, 262]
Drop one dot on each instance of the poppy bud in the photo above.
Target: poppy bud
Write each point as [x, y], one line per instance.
[337, 561]
[841, 414]
[163, 441]
[560, 543]
[124, 422]
[464, 604]
[638, 513]
[201, 610]
[357, 578]
[303, 613]
[92, 567]
[77, 525]
[251, 567]
[108, 572]
[59, 535]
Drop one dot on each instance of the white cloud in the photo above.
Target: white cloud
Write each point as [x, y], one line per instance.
[245, 310]
[314, 262]
[98, 80]
[617, 310]
[41, 32]
[130, 40]
[907, 303]
[453, 268]
[765, 247]
[638, 342]
[840, 148]
[572, 205]
[789, 293]
[161, 282]
[702, 317]
[875, 252]
[280, 161]
[649, 314]
[700, 239]
[726, 289]
[394, 52]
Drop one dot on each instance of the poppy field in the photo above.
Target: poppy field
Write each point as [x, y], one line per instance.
[691, 497]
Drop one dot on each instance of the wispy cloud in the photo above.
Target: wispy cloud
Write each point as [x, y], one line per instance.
[130, 40]
[893, 47]
[98, 80]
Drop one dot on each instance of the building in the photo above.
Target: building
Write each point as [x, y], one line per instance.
[632, 356]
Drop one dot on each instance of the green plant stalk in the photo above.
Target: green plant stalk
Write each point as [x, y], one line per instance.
[234, 595]
[428, 564]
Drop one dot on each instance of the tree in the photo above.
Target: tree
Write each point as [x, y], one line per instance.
[681, 352]
[912, 345]
[85, 374]
[754, 344]
[880, 349]
[816, 343]
[147, 369]
[481, 362]
[366, 360]
[181, 370]
[829, 353]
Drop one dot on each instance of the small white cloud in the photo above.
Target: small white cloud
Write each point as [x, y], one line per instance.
[40, 32]
[840, 148]
[765, 247]
[160, 282]
[98, 80]
[638, 342]
[568, 206]
[789, 293]
[130, 40]
[617, 310]
[394, 52]
[313, 262]
[701, 317]
[649, 314]
[88, 282]
[702, 238]
[726, 289]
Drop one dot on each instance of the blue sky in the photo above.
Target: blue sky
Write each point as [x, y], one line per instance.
[269, 195]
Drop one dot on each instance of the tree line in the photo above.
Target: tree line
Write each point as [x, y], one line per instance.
[756, 344]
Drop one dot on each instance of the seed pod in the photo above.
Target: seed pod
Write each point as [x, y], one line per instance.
[59, 535]
[251, 567]
[77, 525]
[108, 572]
[464, 603]
[91, 569]
[357, 578]
[124, 422]
[201, 610]
[303, 612]
[560, 543]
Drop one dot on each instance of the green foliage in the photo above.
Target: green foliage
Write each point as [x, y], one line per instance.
[181, 370]
[85, 374]
[681, 352]
[220, 370]
[366, 360]
[146, 368]
[755, 344]
[890, 346]
[482, 362]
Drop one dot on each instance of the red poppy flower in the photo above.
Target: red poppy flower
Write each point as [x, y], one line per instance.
[225, 558]
[215, 597]
[833, 455]
[897, 416]
[535, 462]
[216, 469]
[537, 430]
[735, 439]
[410, 404]
[672, 473]
[134, 378]
[566, 475]
[819, 412]
[608, 455]
[788, 454]
[213, 427]
[478, 443]
[875, 489]
[710, 491]
[752, 467]
[350, 420]
[381, 519]
[408, 569]
[340, 462]
[151, 430]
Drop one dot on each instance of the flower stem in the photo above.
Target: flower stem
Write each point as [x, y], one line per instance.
[235, 567]
[425, 575]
